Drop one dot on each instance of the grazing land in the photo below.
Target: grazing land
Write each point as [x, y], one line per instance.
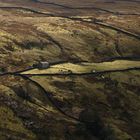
[90, 91]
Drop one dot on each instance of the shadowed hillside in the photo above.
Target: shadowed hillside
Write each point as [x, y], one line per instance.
[90, 90]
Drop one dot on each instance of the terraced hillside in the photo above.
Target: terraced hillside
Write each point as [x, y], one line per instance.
[91, 89]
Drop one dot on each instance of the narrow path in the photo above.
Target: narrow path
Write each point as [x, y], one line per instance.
[50, 38]
[117, 46]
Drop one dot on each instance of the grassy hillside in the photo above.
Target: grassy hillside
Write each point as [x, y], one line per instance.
[102, 106]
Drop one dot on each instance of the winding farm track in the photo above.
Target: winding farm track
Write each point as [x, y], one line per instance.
[75, 19]
[50, 38]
